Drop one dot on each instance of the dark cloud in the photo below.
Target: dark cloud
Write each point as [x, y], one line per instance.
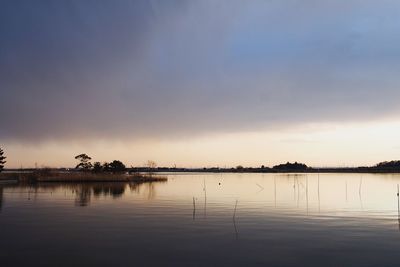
[127, 69]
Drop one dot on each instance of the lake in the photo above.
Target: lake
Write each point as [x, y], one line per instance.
[205, 220]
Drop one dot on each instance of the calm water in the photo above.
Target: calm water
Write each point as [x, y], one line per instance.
[191, 220]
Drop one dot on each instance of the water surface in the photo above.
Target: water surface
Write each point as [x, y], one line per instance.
[205, 220]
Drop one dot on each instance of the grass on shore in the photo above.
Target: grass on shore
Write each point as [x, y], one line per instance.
[79, 177]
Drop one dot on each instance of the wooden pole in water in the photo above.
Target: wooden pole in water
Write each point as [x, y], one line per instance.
[398, 206]
[298, 192]
[236, 231]
[307, 192]
[359, 192]
[205, 198]
[275, 190]
[194, 209]
[234, 211]
[234, 220]
[319, 202]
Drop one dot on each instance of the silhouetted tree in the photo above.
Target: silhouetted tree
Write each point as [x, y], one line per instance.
[394, 164]
[291, 167]
[151, 166]
[2, 160]
[84, 162]
[106, 167]
[97, 167]
[239, 168]
[117, 166]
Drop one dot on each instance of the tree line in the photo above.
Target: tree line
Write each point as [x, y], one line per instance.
[85, 164]
[117, 166]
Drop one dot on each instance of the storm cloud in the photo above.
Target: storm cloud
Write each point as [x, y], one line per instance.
[132, 69]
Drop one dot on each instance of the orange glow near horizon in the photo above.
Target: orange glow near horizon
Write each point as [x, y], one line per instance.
[316, 145]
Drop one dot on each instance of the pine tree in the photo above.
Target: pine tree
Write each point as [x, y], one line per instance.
[85, 163]
[2, 159]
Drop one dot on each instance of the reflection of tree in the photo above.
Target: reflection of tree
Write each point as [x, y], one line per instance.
[83, 195]
[148, 187]
[116, 190]
[1, 197]
[85, 191]
[151, 191]
[135, 187]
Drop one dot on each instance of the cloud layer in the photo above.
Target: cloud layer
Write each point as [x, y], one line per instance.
[130, 69]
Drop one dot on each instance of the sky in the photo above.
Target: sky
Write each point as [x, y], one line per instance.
[200, 83]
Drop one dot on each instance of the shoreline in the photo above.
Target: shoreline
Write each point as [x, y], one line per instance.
[79, 177]
[159, 175]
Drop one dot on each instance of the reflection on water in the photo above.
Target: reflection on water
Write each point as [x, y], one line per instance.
[1, 197]
[83, 191]
[205, 220]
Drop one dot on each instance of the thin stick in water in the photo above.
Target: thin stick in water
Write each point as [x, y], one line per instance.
[205, 198]
[194, 209]
[359, 193]
[294, 189]
[234, 211]
[275, 190]
[398, 206]
[307, 192]
[319, 201]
